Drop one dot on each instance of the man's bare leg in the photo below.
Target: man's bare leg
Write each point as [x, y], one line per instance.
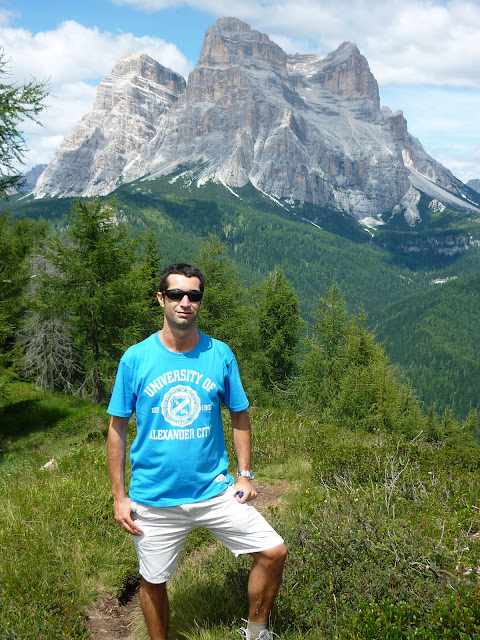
[154, 603]
[264, 581]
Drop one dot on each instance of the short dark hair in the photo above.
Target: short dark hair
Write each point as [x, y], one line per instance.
[181, 269]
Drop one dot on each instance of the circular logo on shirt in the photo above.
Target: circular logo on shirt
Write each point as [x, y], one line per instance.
[180, 406]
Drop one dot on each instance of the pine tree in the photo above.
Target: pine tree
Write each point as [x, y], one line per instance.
[323, 364]
[226, 313]
[8, 286]
[279, 328]
[93, 261]
[46, 337]
[16, 104]
[345, 377]
[223, 313]
[147, 275]
[471, 425]
[17, 240]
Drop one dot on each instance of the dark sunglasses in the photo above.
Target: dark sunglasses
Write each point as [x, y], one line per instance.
[178, 294]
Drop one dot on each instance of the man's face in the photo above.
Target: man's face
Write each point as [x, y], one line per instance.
[183, 313]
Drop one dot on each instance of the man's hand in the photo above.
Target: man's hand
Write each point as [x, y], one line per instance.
[123, 515]
[244, 485]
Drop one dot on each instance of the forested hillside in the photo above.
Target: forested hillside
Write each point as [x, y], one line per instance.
[258, 235]
[434, 341]
[387, 273]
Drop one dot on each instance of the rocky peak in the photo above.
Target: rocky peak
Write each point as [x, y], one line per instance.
[474, 184]
[32, 176]
[346, 73]
[129, 104]
[237, 65]
[232, 25]
[136, 84]
[142, 65]
[230, 40]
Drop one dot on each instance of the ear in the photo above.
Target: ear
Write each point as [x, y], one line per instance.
[160, 299]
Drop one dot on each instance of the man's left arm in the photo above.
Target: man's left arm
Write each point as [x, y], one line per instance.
[242, 439]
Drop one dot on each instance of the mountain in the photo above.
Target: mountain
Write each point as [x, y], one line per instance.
[30, 179]
[301, 129]
[474, 184]
[129, 104]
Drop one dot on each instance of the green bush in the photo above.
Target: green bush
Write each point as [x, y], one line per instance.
[384, 542]
[455, 616]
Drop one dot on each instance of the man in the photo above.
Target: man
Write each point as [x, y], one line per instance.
[175, 381]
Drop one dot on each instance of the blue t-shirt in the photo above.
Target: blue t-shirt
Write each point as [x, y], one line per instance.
[179, 454]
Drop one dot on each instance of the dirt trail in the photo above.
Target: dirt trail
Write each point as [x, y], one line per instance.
[111, 619]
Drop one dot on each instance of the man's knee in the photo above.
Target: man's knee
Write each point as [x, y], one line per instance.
[280, 554]
[275, 556]
[153, 587]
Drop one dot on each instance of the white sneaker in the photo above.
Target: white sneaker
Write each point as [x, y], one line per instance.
[264, 635]
[267, 635]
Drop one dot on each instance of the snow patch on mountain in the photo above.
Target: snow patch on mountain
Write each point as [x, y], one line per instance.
[434, 190]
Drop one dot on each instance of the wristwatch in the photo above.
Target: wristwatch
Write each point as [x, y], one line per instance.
[244, 473]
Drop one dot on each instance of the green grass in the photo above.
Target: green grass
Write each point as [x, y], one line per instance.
[383, 534]
[60, 545]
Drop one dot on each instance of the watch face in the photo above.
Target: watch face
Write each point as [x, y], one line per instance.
[246, 474]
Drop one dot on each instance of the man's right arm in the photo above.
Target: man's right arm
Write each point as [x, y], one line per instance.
[116, 449]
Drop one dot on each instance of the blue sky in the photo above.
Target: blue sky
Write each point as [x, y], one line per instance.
[425, 55]
[184, 26]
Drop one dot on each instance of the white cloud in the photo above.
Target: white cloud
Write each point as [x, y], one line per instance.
[462, 160]
[428, 44]
[72, 59]
[63, 111]
[73, 52]
[151, 5]
[437, 109]
[5, 17]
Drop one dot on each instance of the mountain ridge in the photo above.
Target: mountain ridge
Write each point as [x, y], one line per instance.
[474, 184]
[299, 128]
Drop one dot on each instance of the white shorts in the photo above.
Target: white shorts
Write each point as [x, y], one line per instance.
[240, 527]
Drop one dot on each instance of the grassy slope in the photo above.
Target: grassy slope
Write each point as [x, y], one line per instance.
[59, 544]
[383, 534]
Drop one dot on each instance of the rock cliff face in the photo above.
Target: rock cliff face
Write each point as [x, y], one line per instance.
[129, 103]
[474, 184]
[30, 179]
[300, 128]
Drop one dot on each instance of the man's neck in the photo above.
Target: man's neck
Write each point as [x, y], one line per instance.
[177, 340]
